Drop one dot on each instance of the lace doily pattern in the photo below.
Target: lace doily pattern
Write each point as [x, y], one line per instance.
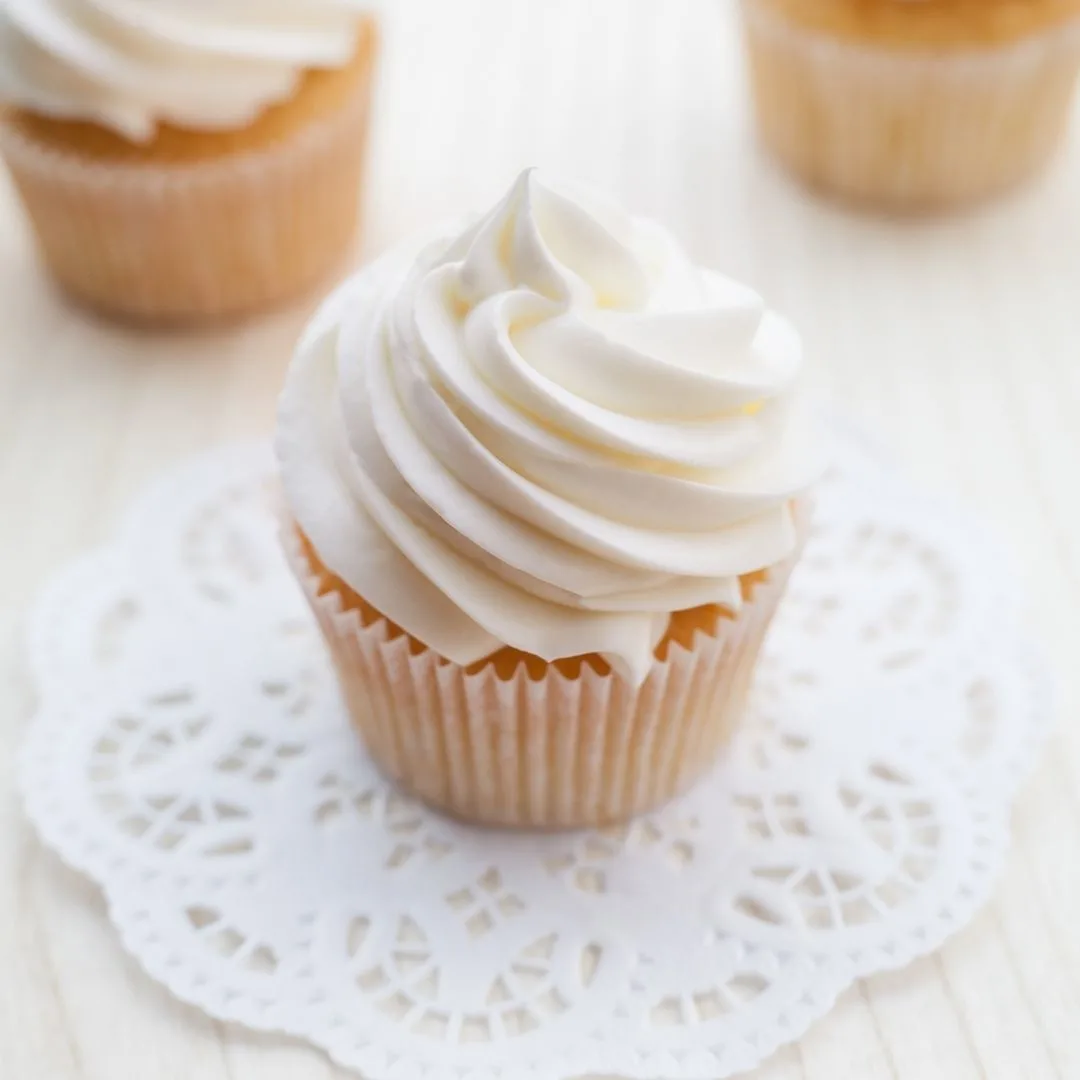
[190, 754]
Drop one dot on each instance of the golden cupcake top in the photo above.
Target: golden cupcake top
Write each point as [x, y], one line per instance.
[134, 65]
[319, 93]
[926, 23]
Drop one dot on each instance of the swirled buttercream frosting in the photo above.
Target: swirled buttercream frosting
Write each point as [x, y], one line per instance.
[132, 64]
[548, 432]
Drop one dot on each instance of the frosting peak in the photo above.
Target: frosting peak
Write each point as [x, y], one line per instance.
[549, 432]
[203, 64]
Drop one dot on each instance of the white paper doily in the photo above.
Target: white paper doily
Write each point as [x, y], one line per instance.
[190, 755]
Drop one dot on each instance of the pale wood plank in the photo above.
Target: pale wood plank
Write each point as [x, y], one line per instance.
[629, 94]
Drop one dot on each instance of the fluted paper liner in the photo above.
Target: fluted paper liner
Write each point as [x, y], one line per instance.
[909, 128]
[557, 752]
[194, 241]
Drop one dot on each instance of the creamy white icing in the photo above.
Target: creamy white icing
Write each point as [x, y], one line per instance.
[202, 64]
[550, 432]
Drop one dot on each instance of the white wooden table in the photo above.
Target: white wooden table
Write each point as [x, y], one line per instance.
[957, 341]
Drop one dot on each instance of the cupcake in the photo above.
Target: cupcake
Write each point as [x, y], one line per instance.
[183, 162]
[546, 482]
[913, 103]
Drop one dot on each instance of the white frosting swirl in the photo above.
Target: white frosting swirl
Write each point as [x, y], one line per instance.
[202, 64]
[549, 433]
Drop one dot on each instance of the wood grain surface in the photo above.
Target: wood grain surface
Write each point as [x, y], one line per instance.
[956, 340]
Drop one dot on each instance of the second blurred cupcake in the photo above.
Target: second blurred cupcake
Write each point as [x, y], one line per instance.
[913, 103]
[182, 162]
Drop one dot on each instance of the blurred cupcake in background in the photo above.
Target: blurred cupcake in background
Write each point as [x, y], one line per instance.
[913, 103]
[187, 161]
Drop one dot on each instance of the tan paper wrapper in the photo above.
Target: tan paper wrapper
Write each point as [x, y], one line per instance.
[192, 242]
[555, 753]
[912, 129]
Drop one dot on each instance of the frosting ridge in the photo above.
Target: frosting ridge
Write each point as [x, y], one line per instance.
[549, 432]
[132, 64]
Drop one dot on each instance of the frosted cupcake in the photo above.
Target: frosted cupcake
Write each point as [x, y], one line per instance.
[913, 103]
[546, 485]
[185, 161]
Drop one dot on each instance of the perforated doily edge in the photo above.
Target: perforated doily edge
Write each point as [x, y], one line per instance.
[830, 983]
[116, 878]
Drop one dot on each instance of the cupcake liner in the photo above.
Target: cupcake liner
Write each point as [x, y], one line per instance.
[190, 242]
[911, 128]
[555, 752]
